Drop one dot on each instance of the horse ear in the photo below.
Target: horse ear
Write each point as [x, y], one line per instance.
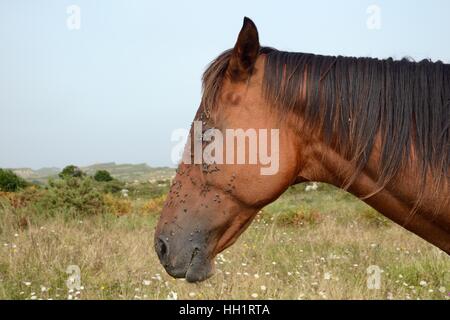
[245, 52]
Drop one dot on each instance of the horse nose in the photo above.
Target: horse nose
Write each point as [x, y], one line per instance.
[162, 249]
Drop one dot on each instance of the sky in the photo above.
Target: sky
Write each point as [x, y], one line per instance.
[116, 88]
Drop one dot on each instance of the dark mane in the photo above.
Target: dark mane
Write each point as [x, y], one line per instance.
[352, 100]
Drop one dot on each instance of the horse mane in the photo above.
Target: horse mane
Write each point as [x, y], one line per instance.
[351, 101]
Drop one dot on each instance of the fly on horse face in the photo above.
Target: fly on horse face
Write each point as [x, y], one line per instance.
[379, 129]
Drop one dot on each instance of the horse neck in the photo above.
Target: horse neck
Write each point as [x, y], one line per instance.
[395, 201]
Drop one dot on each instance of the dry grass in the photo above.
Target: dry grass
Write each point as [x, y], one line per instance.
[317, 259]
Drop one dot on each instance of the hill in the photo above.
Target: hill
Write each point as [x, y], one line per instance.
[125, 172]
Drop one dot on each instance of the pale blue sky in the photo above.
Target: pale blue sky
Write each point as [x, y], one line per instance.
[115, 89]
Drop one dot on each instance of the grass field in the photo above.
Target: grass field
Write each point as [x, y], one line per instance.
[306, 245]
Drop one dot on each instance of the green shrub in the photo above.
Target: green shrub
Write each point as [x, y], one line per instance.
[103, 176]
[74, 196]
[71, 172]
[113, 186]
[10, 182]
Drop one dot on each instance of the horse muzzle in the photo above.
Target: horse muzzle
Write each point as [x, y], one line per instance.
[184, 259]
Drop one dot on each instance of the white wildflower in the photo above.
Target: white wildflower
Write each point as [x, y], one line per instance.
[172, 296]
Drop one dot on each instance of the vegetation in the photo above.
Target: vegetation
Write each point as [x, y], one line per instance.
[10, 182]
[103, 176]
[75, 197]
[306, 245]
[122, 172]
[71, 172]
[114, 186]
[118, 206]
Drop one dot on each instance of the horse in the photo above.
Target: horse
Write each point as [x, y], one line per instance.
[379, 129]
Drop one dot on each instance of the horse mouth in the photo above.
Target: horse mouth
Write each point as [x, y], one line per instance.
[199, 268]
[194, 254]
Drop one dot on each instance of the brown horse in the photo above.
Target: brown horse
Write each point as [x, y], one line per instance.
[377, 128]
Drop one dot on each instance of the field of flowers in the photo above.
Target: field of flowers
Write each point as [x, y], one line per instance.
[315, 244]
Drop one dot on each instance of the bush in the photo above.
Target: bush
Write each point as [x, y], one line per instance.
[153, 205]
[103, 176]
[24, 197]
[117, 206]
[294, 216]
[10, 182]
[76, 196]
[71, 172]
[113, 186]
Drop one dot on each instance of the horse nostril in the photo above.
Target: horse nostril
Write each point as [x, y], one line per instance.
[161, 248]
